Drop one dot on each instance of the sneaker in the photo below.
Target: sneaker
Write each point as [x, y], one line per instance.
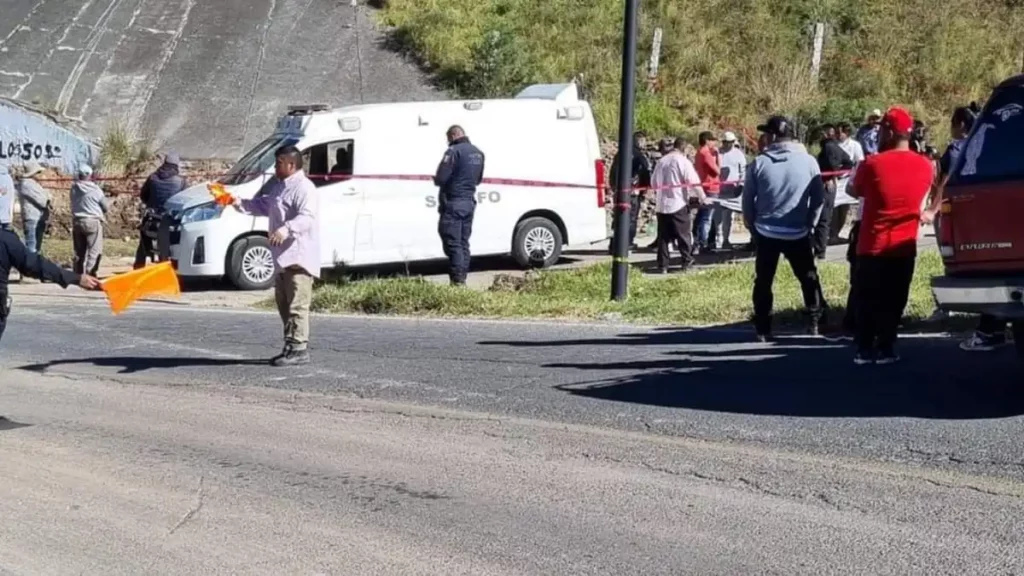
[662, 270]
[765, 338]
[982, 343]
[864, 357]
[886, 357]
[291, 357]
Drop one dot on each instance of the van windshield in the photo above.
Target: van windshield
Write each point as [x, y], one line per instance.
[257, 161]
[992, 152]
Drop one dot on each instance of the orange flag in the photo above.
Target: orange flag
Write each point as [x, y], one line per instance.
[124, 289]
[220, 194]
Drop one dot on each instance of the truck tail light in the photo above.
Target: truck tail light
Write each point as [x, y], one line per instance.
[945, 231]
[599, 181]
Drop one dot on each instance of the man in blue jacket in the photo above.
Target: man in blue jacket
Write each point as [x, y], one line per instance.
[782, 199]
[156, 191]
[460, 172]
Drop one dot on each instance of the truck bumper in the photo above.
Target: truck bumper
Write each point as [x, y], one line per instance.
[1002, 298]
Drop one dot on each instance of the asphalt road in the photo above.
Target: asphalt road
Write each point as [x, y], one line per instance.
[155, 442]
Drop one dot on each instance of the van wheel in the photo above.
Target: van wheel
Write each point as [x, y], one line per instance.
[251, 264]
[537, 243]
[1018, 337]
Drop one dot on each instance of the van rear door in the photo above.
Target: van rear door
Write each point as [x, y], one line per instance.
[982, 228]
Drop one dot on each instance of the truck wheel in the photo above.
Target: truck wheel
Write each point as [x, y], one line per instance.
[1018, 337]
[537, 243]
[251, 264]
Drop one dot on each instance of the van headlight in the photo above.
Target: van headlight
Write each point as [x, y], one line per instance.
[201, 213]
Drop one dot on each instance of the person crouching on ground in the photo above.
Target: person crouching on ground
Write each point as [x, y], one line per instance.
[782, 199]
[893, 184]
[89, 208]
[290, 201]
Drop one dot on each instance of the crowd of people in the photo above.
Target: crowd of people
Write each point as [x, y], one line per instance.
[788, 204]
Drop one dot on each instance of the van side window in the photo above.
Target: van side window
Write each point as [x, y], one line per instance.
[329, 163]
[992, 151]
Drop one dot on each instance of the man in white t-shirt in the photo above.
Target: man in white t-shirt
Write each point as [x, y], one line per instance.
[734, 169]
[677, 185]
[855, 151]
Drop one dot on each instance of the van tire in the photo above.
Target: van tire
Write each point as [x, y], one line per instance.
[1018, 337]
[248, 261]
[537, 243]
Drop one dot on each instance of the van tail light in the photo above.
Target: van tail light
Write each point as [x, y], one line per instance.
[599, 181]
[945, 231]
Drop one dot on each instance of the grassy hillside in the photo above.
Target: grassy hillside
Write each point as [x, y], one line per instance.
[725, 62]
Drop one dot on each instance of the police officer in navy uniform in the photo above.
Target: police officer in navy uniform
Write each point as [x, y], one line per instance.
[460, 172]
[14, 255]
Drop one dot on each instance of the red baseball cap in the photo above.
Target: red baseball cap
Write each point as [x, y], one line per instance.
[899, 120]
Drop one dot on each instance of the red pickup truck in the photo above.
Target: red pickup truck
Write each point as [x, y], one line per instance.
[981, 223]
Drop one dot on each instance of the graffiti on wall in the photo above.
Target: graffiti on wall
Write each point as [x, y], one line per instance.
[29, 136]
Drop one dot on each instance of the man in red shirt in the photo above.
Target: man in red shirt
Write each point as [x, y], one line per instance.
[708, 170]
[893, 185]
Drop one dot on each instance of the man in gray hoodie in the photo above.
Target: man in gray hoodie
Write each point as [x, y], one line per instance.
[35, 207]
[782, 200]
[88, 212]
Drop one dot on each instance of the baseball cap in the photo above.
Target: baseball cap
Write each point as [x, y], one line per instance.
[876, 113]
[172, 158]
[898, 120]
[84, 170]
[728, 137]
[31, 169]
[777, 126]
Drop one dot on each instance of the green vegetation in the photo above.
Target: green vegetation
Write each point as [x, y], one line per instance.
[62, 251]
[725, 63]
[121, 153]
[718, 295]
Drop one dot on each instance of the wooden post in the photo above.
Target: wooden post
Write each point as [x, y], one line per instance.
[819, 44]
[652, 68]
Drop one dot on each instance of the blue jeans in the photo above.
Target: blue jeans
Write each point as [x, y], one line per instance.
[34, 231]
[702, 225]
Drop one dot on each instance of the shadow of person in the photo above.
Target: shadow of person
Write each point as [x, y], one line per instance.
[815, 382]
[135, 364]
[7, 424]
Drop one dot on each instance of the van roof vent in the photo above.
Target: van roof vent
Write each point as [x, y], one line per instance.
[557, 92]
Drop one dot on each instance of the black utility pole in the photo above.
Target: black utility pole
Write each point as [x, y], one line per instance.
[620, 242]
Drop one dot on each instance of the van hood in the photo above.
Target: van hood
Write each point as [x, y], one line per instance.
[188, 198]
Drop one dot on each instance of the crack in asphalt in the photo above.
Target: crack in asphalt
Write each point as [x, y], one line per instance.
[192, 512]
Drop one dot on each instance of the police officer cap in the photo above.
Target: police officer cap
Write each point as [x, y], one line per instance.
[779, 126]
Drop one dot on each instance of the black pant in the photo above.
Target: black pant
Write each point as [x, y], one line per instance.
[766, 263]
[455, 227]
[850, 319]
[823, 229]
[675, 229]
[5, 311]
[144, 251]
[883, 287]
[635, 203]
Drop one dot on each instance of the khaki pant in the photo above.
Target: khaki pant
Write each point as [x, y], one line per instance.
[293, 291]
[87, 235]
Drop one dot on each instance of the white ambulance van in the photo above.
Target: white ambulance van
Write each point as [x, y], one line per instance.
[542, 189]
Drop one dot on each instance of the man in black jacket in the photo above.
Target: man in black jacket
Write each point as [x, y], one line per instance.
[156, 191]
[461, 170]
[640, 176]
[15, 256]
[832, 159]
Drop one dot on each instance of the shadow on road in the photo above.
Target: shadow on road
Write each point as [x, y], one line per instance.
[721, 370]
[7, 425]
[135, 364]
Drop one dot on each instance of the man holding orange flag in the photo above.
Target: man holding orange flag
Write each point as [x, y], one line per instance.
[14, 255]
[291, 204]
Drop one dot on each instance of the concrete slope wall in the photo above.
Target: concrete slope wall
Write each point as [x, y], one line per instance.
[207, 77]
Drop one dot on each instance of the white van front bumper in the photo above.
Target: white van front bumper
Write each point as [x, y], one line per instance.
[200, 249]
